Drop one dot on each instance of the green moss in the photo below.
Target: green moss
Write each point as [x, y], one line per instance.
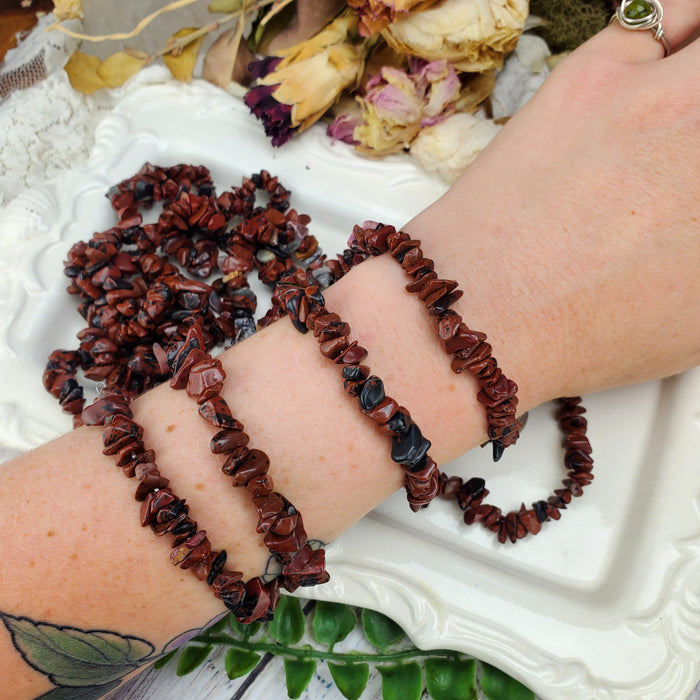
[570, 22]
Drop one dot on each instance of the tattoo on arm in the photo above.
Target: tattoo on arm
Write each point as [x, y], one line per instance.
[87, 664]
[82, 664]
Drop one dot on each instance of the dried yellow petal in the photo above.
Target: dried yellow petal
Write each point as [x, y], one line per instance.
[313, 73]
[67, 9]
[181, 61]
[221, 58]
[311, 17]
[82, 73]
[116, 69]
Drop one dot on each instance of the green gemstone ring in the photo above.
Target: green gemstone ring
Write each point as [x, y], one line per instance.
[643, 14]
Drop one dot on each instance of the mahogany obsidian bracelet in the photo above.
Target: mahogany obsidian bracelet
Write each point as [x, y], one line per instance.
[146, 322]
[164, 512]
[519, 523]
[468, 348]
[306, 308]
[278, 520]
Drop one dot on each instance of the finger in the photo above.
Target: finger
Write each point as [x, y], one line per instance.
[680, 22]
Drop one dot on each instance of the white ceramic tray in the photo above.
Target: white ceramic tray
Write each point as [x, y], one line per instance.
[603, 604]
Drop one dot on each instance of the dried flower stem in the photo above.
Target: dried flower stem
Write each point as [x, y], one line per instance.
[275, 10]
[175, 45]
[176, 5]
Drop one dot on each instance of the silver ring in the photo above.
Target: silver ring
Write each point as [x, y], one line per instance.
[642, 15]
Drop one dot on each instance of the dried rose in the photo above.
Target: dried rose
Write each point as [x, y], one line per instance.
[474, 35]
[397, 104]
[295, 88]
[449, 147]
[374, 15]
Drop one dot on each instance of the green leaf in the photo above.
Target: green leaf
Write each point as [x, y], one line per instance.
[245, 631]
[401, 681]
[332, 622]
[94, 692]
[451, 679]
[287, 626]
[218, 627]
[298, 673]
[164, 660]
[498, 685]
[238, 662]
[192, 656]
[74, 657]
[381, 631]
[351, 679]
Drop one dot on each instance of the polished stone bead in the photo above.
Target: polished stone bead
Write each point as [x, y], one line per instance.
[383, 411]
[205, 379]
[216, 566]
[255, 464]
[234, 460]
[637, 9]
[372, 393]
[216, 411]
[352, 355]
[286, 544]
[153, 503]
[398, 424]
[260, 485]
[474, 490]
[228, 440]
[308, 568]
[481, 513]
[498, 448]
[355, 373]
[410, 448]
[333, 347]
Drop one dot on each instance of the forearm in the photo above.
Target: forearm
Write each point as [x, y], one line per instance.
[79, 556]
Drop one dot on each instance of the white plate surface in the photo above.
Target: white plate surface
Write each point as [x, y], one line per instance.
[603, 604]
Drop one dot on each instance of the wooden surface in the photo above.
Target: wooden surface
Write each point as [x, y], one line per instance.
[209, 682]
[15, 19]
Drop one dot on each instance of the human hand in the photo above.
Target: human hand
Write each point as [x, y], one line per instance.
[582, 218]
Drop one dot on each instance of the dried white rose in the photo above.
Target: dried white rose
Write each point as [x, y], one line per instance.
[474, 35]
[449, 147]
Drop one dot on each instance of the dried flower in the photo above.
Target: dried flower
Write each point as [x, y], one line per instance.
[397, 104]
[295, 88]
[374, 15]
[449, 147]
[67, 9]
[474, 35]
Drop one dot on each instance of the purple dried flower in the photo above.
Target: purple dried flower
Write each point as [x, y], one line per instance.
[343, 127]
[294, 91]
[259, 69]
[275, 116]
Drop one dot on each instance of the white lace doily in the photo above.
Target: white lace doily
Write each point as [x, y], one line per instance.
[49, 127]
